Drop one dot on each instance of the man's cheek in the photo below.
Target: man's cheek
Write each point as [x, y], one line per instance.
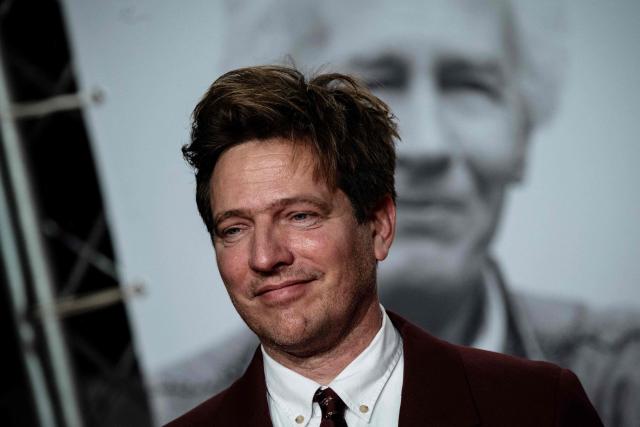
[310, 244]
[323, 246]
[493, 147]
[232, 271]
[499, 164]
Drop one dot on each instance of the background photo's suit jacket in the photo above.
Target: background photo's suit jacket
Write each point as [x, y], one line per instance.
[443, 385]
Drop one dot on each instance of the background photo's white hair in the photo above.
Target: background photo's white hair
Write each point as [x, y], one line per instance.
[278, 31]
[540, 32]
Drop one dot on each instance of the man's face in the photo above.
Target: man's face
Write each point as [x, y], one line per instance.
[297, 265]
[446, 70]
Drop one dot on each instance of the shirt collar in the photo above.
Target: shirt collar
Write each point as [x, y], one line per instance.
[290, 391]
[359, 385]
[518, 327]
[492, 334]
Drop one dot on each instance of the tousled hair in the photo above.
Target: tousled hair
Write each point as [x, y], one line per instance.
[350, 132]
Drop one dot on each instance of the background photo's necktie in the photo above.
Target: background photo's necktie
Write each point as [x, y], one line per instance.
[332, 408]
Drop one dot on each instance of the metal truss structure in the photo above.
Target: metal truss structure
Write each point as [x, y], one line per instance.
[65, 325]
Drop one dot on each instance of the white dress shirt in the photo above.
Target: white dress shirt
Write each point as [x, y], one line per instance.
[370, 386]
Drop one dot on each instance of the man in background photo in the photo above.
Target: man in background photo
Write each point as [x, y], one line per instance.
[295, 184]
[470, 82]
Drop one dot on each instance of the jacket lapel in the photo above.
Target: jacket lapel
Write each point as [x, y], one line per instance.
[435, 391]
[245, 402]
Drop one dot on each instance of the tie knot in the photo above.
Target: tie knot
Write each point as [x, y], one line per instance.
[331, 405]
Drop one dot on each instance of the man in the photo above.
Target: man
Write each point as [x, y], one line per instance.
[470, 81]
[295, 183]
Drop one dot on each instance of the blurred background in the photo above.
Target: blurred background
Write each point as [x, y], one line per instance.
[109, 278]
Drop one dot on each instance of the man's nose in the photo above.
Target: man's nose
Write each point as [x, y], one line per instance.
[426, 148]
[270, 250]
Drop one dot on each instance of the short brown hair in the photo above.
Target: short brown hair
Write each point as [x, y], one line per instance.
[350, 131]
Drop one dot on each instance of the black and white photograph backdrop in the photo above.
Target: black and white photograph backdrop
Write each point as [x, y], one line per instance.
[517, 173]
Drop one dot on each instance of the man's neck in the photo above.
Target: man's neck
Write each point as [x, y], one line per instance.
[453, 313]
[325, 366]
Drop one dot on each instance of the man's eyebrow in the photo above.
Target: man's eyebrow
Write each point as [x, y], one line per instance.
[485, 67]
[227, 214]
[315, 201]
[388, 67]
[320, 204]
[384, 60]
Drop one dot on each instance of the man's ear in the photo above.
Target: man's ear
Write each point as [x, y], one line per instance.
[524, 135]
[383, 227]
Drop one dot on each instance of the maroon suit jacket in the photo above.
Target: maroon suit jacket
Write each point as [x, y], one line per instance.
[443, 385]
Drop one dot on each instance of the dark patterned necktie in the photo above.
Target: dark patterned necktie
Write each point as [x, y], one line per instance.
[332, 408]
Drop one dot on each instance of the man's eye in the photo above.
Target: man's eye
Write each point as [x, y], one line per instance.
[300, 216]
[231, 232]
[303, 218]
[470, 85]
[385, 73]
[465, 81]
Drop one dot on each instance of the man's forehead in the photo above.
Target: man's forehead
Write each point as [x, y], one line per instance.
[329, 33]
[466, 28]
[273, 165]
[271, 156]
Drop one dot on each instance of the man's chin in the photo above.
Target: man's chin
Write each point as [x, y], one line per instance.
[438, 266]
[284, 333]
[296, 345]
[298, 334]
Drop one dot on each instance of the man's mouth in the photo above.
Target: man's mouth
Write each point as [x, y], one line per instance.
[283, 292]
[265, 289]
[437, 217]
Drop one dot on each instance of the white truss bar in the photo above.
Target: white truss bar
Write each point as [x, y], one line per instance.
[37, 260]
[78, 304]
[20, 312]
[73, 101]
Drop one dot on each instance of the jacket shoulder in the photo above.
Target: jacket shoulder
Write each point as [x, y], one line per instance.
[487, 367]
[202, 414]
[245, 399]
[506, 387]
[488, 388]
